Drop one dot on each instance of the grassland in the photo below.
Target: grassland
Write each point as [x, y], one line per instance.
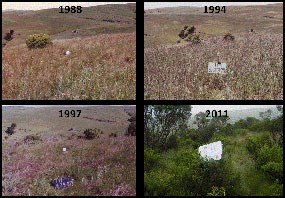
[100, 67]
[179, 71]
[102, 61]
[91, 22]
[102, 166]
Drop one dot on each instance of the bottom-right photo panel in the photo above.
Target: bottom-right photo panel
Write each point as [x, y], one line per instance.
[213, 150]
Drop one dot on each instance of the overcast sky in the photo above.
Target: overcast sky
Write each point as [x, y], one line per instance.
[197, 108]
[45, 5]
[152, 5]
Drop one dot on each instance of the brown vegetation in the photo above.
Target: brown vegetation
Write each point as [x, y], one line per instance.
[11, 130]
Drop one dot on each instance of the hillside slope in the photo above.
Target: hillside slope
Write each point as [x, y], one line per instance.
[92, 57]
[254, 69]
[163, 25]
[103, 166]
[177, 69]
[100, 67]
[92, 21]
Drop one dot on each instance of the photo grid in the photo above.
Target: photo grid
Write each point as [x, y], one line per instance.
[206, 83]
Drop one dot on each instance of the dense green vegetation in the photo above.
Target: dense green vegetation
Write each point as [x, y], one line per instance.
[251, 163]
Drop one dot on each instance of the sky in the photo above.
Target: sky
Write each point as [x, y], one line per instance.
[45, 5]
[198, 108]
[152, 5]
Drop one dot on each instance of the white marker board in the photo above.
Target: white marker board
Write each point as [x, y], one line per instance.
[215, 68]
[212, 151]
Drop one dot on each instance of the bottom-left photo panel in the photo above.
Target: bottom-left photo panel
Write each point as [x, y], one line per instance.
[68, 150]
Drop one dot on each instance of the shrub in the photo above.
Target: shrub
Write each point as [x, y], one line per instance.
[172, 142]
[131, 131]
[182, 34]
[186, 157]
[227, 130]
[270, 160]
[91, 133]
[229, 37]
[32, 139]
[38, 41]
[274, 170]
[151, 159]
[113, 135]
[217, 191]
[266, 154]
[157, 183]
[241, 132]
[195, 39]
[10, 130]
[253, 144]
[276, 189]
[13, 125]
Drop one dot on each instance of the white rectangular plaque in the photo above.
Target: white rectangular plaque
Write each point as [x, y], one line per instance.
[213, 150]
[215, 68]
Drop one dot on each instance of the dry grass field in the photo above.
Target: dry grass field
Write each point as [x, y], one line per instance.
[179, 71]
[101, 166]
[101, 65]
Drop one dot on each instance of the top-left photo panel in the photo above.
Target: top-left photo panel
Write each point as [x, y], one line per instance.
[68, 50]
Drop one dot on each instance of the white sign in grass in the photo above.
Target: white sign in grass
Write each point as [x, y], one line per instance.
[215, 68]
[212, 151]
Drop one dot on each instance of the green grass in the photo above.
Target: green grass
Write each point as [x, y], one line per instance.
[253, 181]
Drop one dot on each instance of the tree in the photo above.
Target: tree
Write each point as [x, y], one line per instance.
[219, 122]
[161, 121]
[275, 127]
[280, 108]
[266, 114]
[201, 120]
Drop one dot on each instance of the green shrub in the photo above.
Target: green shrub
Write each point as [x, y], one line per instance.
[151, 159]
[242, 132]
[187, 157]
[253, 144]
[157, 183]
[172, 142]
[217, 191]
[274, 170]
[276, 189]
[227, 130]
[186, 143]
[91, 133]
[38, 41]
[272, 153]
[271, 161]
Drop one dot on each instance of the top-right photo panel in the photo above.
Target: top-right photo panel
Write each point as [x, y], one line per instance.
[213, 51]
